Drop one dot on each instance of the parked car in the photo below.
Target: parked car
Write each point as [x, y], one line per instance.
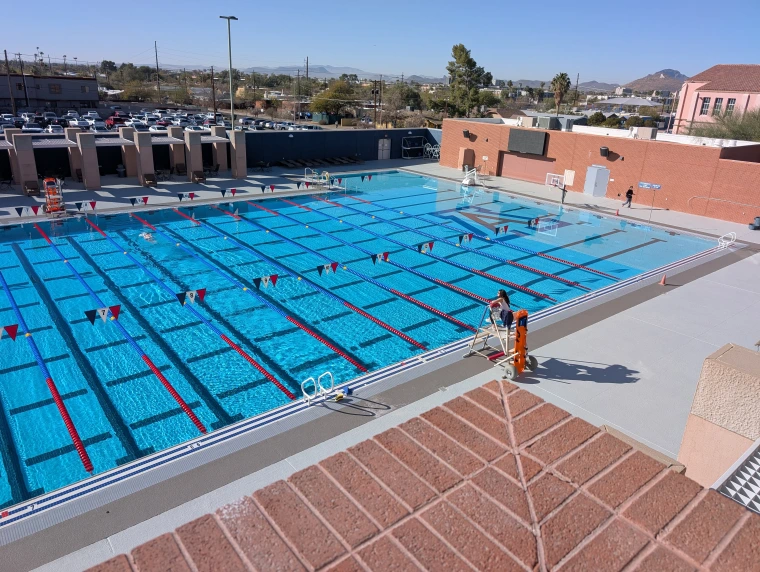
[6, 116]
[116, 107]
[157, 129]
[72, 113]
[18, 122]
[54, 129]
[199, 128]
[99, 127]
[50, 116]
[32, 128]
[92, 114]
[141, 127]
[115, 120]
[225, 124]
[79, 123]
[133, 122]
[164, 122]
[269, 124]
[283, 125]
[181, 121]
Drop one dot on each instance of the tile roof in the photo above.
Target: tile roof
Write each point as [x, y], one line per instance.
[743, 78]
[494, 480]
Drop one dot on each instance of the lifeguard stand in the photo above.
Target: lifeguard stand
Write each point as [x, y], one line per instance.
[511, 353]
[54, 205]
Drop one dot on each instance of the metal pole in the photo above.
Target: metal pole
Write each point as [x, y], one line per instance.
[23, 77]
[654, 192]
[10, 90]
[229, 49]
[158, 78]
[213, 93]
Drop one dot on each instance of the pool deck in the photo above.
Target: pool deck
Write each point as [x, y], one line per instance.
[630, 363]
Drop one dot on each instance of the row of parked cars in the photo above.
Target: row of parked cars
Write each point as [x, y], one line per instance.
[257, 124]
[159, 120]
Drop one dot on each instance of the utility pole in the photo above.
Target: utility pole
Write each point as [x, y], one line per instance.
[158, 78]
[381, 98]
[64, 64]
[374, 93]
[213, 92]
[23, 77]
[255, 109]
[10, 90]
[577, 79]
[298, 94]
[229, 49]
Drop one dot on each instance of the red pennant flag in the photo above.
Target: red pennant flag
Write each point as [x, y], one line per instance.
[339, 181]
[469, 237]
[430, 245]
[334, 266]
[192, 196]
[307, 184]
[369, 177]
[385, 256]
[271, 187]
[115, 311]
[233, 191]
[35, 209]
[145, 200]
[12, 330]
[273, 278]
[201, 293]
[92, 204]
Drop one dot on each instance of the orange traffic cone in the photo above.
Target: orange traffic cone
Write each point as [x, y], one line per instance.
[662, 282]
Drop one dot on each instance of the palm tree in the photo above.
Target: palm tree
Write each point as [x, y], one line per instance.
[560, 86]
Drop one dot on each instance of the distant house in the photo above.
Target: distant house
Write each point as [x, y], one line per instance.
[722, 89]
[48, 92]
[623, 91]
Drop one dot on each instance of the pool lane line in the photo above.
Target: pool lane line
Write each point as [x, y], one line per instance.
[363, 276]
[508, 245]
[64, 413]
[464, 267]
[160, 376]
[452, 243]
[427, 277]
[315, 286]
[353, 361]
[197, 314]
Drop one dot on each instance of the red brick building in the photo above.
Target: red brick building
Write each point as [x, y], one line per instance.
[718, 182]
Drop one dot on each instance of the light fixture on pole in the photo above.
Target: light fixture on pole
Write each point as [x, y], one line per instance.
[229, 48]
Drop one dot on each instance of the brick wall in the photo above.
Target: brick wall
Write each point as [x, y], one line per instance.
[694, 179]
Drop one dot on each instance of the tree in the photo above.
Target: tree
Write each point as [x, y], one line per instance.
[740, 126]
[273, 105]
[541, 90]
[597, 118]
[612, 121]
[531, 93]
[334, 99]
[349, 78]
[634, 121]
[466, 75]
[488, 99]
[560, 86]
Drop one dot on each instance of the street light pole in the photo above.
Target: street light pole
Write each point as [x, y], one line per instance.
[229, 48]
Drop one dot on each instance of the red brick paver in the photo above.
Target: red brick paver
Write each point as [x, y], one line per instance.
[493, 480]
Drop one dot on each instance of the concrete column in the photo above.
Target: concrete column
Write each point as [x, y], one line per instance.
[128, 152]
[9, 133]
[144, 154]
[27, 166]
[193, 153]
[237, 149]
[75, 157]
[176, 150]
[220, 148]
[90, 167]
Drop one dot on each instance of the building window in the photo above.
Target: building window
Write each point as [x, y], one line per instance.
[730, 106]
[20, 86]
[718, 107]
[85, 89]
[55, 88]
[705, 106]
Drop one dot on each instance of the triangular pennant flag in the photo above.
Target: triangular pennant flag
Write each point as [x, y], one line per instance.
[192, 196]
[497, 230]
[362, 178]
[430, 246]
[307, 184]
[35, 209]
[181, 298]
[339, 181]
[133, 201]
[334, 266]
[236, 212]
[191, 296]
[385, 256]
[461, 238]
[504, 229]
[374, 259]
[265, 281]
[145, 200]
[320, 269]
[180, 196]
[79, 206]
[20, 210]
[419, 247]
[262, 188]
[233, 191]
[224, 191]
[115, 311]
[271, 187]
[369, 177]
[257, 282]
[298, 185]
[12, 330]
[273, 278]
[469, 237]
[103, 313]
[326, 268]
[91, 315]
[201, 293]
[92, 204]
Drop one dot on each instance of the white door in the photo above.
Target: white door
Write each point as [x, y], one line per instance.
[383, 149]
[597, 178]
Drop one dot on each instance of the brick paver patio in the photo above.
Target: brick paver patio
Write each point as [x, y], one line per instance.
[494, 480]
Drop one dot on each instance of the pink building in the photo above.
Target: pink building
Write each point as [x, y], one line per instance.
[725, 88]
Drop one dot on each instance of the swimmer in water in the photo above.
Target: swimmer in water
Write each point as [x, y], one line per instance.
[147, 236]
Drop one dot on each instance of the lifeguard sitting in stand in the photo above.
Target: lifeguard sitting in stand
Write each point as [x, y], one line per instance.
[505, 311]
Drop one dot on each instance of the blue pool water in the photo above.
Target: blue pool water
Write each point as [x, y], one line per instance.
[352, 320]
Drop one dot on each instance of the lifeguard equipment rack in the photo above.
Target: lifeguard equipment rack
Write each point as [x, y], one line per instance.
[54, 205]
[512, 350]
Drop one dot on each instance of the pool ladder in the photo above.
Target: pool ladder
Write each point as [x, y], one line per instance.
[320, 389]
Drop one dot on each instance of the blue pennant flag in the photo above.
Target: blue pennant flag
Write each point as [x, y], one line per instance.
[133, 201]
[224, 191]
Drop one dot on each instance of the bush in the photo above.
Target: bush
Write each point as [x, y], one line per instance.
[597, 118]
[612, 121]
[634, 121]
[323, 122]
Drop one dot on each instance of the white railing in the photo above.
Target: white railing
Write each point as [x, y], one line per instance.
[320, 390]
[726, 240]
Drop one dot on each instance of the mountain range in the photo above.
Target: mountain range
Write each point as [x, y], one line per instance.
[667, 79]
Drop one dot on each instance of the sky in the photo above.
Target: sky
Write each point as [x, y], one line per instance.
[602, 41]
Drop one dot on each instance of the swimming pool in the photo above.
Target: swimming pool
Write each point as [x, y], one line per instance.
[275, 291]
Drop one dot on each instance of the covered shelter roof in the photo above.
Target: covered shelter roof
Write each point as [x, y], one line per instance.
[629, 102]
